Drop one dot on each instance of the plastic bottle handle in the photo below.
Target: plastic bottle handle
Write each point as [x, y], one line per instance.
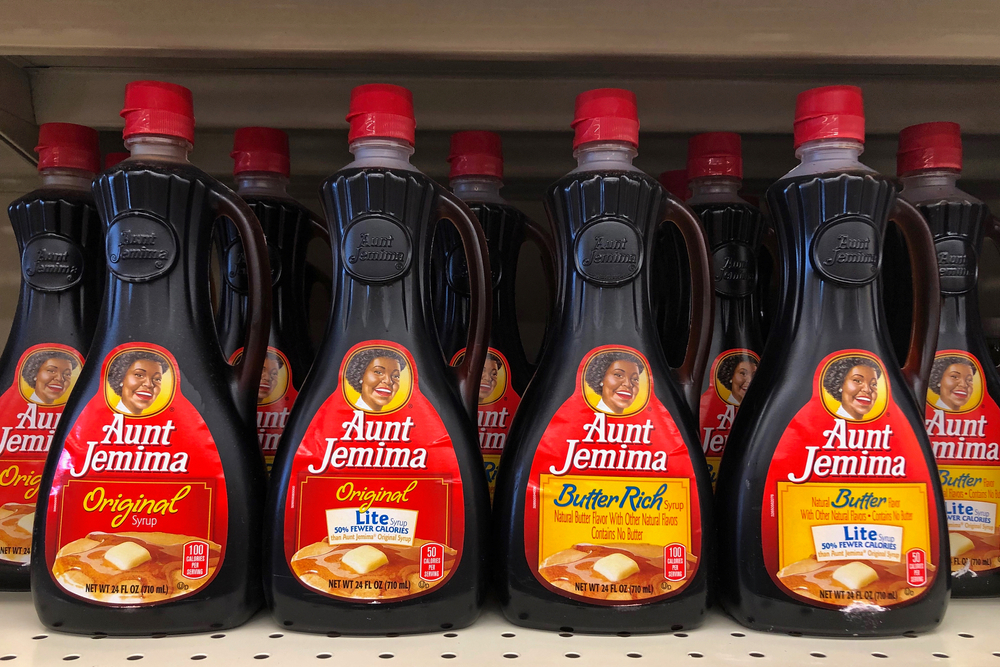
[318, 225]
[534, 233]
[926, 296]
[993, 233]
[313, 276]
[993, 230]
[692, 370]
[451, 208]
[247, 369]
[770, 242]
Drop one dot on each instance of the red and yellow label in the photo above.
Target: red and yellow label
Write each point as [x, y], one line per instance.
[849, 516]
[138, 512]
[375, 508]
[963, 423]
[29, 413]
[275, 398]
[497, 404]
[727, 384]
[611, 511]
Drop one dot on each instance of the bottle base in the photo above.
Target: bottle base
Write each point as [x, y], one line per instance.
[14, 582]
[156, 628]
[976, 587]
[672, 616]
[192, 617]
[795, 619]
[365, 622]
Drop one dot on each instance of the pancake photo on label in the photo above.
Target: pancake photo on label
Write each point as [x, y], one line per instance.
[131, 567]
[611, 571]
[846, 582]
[370, 571]
[16, 522]
[970, 551]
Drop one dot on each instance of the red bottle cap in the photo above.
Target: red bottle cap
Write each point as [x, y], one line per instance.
[158, 107]
[260, 149]
[111, 159]
[929, 146]
[69, 146]
[715, 154]
[676, 183]
[833, 111]
[606, 114]
[476, 153]
[381, 110]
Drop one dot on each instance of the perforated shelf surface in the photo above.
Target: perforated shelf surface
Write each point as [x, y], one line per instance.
[969, 635]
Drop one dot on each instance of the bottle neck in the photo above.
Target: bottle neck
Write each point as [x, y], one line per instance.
[933, 185]
[829, 155]
[381, 152]
[605, 156]
[715, 190]
[66, 179]
[261, 184]
[158, 147]
[478, 189]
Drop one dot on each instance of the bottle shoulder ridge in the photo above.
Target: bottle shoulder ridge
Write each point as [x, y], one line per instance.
[53, 195]
[135, 168]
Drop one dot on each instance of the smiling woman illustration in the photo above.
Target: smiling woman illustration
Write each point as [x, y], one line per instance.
[137, 378]
[374, 373]
[269, 375]
[615, 376]
[49, 373]
[951, 379]
[854, 382]
[491, 373]
[735, 373]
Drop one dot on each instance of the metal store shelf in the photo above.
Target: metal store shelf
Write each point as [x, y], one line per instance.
[968, 637]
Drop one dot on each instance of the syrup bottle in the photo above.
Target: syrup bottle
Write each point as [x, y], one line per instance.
[604, 432]
[150, 518]
[57, 232]
[734, 227]
[378, 513]
[961, 413]
[831, 520]
[261, 168]
[476, 176]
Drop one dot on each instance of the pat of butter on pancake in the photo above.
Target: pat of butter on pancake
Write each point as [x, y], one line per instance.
[855, 575]
[959, 544]
[26, 522]
[127, 555]
[364, 559]
[616, 567]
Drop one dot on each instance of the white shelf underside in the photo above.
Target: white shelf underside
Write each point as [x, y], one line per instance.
[968, 637]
